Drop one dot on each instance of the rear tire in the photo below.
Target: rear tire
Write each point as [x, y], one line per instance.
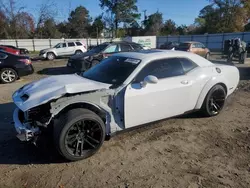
[8, 75]
[78, 134]
[214, 101]
[207, 56]
[51, 56]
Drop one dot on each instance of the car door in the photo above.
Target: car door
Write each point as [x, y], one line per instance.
[169, 97]
[61, 49]
[203, 51]
[195, 48]
[71, 48]
[3, 62]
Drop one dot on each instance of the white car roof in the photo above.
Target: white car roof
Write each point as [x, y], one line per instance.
[149, 55]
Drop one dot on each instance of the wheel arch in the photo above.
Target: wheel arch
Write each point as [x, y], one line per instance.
[78, 50]
[53, 52]
[92, 107]
[10, 67]
[210, 84]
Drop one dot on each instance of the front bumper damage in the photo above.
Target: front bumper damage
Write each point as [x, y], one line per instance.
[25, 132]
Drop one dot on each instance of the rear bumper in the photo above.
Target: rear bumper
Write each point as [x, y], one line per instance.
[24, 131]
[28, 69]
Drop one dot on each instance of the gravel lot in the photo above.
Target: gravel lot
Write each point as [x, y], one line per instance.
[188, 151]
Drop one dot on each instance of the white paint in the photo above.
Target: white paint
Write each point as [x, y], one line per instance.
[53, 87]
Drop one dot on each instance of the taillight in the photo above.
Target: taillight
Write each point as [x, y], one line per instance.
[26, 61]
[17, 53]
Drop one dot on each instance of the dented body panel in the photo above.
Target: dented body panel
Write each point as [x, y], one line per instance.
[47, 89]
[102, 99]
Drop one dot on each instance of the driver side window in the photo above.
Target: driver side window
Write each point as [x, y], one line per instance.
[163, 68]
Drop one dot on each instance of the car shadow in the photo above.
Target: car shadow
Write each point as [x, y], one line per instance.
[56, 71]
[37, 58]
[13, 151]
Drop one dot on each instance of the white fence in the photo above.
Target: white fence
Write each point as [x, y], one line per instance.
[213, 41]
[39, 44]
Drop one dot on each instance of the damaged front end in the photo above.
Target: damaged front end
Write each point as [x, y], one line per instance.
[29, 124]
[35, 121]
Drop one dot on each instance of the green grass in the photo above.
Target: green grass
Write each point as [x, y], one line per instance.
[34, 52]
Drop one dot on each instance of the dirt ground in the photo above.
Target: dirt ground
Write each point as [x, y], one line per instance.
[188, 152]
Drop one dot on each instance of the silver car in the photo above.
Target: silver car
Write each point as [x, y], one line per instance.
[63, 49]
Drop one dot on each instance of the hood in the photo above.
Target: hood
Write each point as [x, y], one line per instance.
[83, 55]
[47, 49]
[44, 90]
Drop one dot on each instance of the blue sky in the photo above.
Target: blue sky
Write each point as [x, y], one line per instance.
[181, 11]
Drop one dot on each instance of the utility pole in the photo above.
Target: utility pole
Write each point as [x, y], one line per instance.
[97, 33]
[145, 17]
[145, 14]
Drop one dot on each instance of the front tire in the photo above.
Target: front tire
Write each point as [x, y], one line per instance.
[8, 75]
[51, 56]
[214, 101]
[79, 134]
[78, 52]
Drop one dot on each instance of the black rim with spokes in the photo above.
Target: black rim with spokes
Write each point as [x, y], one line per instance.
[216, 102]
[83, 136]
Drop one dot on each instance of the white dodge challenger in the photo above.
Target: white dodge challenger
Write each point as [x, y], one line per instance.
[123, 91]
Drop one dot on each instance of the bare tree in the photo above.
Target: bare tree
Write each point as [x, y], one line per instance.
[15, 22]
[47, 11]
[10, 10]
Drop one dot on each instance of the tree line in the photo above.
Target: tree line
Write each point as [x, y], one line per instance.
[119, 18]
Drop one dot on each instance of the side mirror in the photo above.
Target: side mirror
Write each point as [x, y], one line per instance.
[149, 80]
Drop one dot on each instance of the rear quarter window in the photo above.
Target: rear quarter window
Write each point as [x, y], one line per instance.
[136, 47]
[78, 44]
[71, 44]
[187, 64]
[3, 56]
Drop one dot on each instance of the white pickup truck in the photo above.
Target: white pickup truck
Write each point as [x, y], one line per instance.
[63, 49]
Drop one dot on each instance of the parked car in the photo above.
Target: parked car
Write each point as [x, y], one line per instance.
[91, 58]
[169, 45]
[13, 67]
[63, 49]
[10, 50]
[21, 50]
[123, 91]
[194, 47]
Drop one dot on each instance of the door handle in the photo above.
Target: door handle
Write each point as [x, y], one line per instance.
[185, 82]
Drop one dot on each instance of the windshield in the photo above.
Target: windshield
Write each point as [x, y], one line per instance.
[113, 70]
[99, 48]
